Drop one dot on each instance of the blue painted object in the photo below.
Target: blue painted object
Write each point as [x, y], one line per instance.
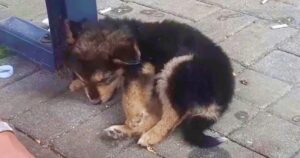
[58, 11]
[25, 38]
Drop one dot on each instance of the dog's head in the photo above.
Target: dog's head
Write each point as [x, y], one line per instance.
[90, 42]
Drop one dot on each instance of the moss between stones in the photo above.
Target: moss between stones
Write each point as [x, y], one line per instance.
[3, 52]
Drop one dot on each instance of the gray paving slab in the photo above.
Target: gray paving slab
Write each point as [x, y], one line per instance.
[4, 13]
[270, 136]
[132, 10]
[292, 45]
[253, 42]
[103, 4]
[32, 90]
[24, 8]
[88, 139]
[134, 151]
[260, 89]
[280, 65]
[235, 117]
[56, 116]
[175, 147]
[190, 9]
[22, 68]
[223, 23]
[237, 68]
[279, 11]
[34, 148]
[288, 106]
[297, 155]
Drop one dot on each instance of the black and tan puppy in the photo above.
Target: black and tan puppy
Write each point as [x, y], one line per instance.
[194, 82]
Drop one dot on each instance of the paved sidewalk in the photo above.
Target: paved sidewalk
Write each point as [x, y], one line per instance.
[264, 117]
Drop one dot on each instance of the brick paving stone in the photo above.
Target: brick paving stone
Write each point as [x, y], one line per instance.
[254, 42]
[288, 106]
[270, 136]
[34, 148]
[292, 45]
[175, 147]
[29, 91]
[58, 115]
[190, 9]
[22, 68]
[238, 113]
[280, 11]
[88, 140]
[280, 65]
[223, 24]
[260, 90]
[132, 10]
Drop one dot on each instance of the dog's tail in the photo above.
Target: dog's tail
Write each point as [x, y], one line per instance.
[193, 128]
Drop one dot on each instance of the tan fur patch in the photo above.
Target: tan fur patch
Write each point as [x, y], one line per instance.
[142, 110]
[211, 112]
[106, 91]
[169, 118]
[97, 76]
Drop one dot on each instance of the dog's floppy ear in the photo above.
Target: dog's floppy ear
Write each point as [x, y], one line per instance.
[73, 29]
[125, 48]
[129, 55]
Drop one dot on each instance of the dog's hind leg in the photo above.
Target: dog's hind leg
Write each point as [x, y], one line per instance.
[170, 117]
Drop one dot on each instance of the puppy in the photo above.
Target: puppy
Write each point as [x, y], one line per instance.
[194, 83]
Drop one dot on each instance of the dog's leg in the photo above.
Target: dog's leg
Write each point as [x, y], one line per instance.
[141, 110]
[168, 121]
[170, 117]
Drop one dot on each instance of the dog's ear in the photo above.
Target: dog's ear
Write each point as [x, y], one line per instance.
[128, 55]
[125, 48]
[73, 29]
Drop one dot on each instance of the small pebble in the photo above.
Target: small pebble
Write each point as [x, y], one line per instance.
[244, 82]
[296, 118]
[279, 26]
[264, 1]
[38, 141]
[103, 11]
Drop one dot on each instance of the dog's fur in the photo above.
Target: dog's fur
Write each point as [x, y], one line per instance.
[194, 82]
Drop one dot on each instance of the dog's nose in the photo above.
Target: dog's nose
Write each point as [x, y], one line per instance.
[95, 101]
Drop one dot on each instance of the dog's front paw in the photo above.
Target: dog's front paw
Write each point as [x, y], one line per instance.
[116, 132]
[149, 138]
[76, 85]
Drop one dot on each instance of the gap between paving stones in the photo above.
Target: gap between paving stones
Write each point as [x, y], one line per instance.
[240, 11]
[48, 143]
[34, 140]
[165, 11]
[238, 142]
[26, 110]
[21, 78]
[269, 52]
[58, 135]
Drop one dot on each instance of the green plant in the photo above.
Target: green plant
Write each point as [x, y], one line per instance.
[3, 52]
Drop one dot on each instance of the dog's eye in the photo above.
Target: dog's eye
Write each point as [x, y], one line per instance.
[107, 80]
